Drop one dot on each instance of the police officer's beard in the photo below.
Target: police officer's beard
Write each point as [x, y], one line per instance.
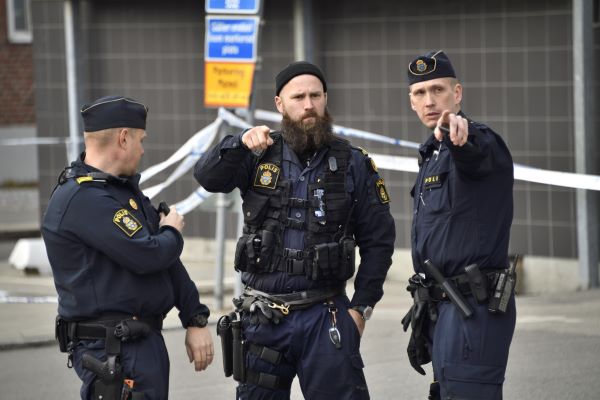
[305, 139]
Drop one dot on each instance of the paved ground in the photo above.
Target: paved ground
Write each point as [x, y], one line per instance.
[555, 352]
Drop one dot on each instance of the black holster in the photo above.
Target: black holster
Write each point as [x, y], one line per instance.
[108, 384]
[239, 351]
[110, 378]
[62, 335]
[225, 332]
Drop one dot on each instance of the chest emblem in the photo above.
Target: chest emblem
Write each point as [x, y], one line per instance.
[433, 181]
[267, 175]
[382, 191]
[127, 222]
[133, 204]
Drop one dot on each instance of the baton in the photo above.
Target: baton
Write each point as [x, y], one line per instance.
[454, 295]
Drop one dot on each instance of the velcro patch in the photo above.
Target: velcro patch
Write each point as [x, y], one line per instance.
[127, 222]
[267, 175]
[382, 191]
[433, 181]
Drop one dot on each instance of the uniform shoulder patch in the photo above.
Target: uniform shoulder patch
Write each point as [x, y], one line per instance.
[267, 175]
[127, 222]
[381, 191]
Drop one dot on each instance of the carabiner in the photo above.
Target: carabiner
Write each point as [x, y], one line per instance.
[285, 310]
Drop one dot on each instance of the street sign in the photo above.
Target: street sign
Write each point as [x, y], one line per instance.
[231, 39]
[232, 6]
[228, 84]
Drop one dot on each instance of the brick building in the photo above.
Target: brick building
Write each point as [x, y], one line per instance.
[17, 106]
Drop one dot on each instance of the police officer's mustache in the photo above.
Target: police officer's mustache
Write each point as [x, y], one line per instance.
[310, 114]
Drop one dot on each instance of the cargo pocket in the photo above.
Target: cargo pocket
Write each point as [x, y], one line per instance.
[470, 381]
[254, 207]
[360, 383]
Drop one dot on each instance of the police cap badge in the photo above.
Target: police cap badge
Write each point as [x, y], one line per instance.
[432, 65]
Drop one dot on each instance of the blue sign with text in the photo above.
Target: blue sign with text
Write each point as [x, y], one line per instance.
[231, 39]
[232, 6]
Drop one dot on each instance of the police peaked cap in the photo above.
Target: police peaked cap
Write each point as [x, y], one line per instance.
[295, 69]
[113, 112]
[432, 65]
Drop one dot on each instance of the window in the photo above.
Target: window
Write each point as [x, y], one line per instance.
[19, 21]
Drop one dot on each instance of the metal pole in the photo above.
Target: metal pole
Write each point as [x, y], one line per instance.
[299, 43]
[583, 87]
[238, 287]
[220, 244]
[70, 56]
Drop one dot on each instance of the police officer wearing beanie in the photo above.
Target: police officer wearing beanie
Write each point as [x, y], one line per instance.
[309, 198]
[116, 265]
[463, 210]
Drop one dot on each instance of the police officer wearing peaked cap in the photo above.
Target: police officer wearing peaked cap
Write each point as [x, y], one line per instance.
[308, 198]
[463, 210]
[116, 264]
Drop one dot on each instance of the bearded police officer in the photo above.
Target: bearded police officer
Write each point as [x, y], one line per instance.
[464, 315]
[309, 198]
[116, 264]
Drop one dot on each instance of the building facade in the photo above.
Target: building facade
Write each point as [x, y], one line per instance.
[514, 58]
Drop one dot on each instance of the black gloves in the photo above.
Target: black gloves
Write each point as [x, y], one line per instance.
[418, 316]
[262, 313]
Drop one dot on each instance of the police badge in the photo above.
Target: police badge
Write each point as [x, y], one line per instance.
[127, 222]
[267, 175]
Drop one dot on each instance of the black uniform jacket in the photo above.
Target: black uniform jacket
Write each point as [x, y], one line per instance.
[109, 256]
[463, 203]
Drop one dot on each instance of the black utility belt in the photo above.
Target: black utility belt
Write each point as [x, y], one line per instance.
[461, 283]
[123, 328]
[293, 301]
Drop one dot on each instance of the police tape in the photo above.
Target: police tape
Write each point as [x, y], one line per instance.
[28, 299]
[521, 172]
[386, 162]
[200, 143]
[193, 146]
[27, 141]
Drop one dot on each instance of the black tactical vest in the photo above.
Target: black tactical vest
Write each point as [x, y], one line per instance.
[328, 246]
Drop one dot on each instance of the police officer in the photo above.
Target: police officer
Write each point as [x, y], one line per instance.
[116, 264]
[308, 198]
[463, 210]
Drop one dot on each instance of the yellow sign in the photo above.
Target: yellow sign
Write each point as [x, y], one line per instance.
[227, 84]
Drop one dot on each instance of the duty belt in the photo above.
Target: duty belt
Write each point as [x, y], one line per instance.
[461, 282]
[297, 300]
[97, 328]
